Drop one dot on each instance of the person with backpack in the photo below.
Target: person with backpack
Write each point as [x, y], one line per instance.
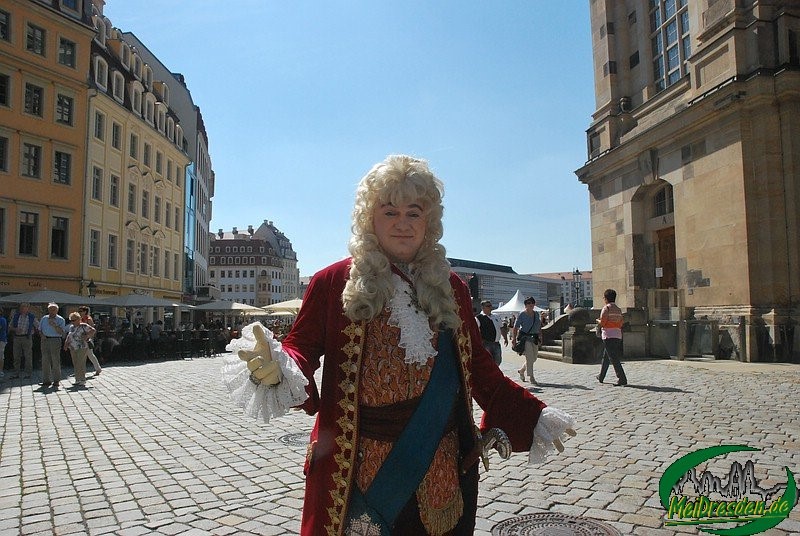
[528, 327]
[23, 325]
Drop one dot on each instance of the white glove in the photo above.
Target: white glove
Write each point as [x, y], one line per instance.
[263, 369]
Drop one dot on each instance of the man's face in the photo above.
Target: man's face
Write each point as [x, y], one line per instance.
[52, 311]
[400, 230]
[529, 308]
[487, 308]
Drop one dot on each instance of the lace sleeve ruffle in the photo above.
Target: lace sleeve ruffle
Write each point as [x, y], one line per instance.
[261, 401]
[552, 425]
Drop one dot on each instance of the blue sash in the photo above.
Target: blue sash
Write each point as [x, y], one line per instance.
[405, 466]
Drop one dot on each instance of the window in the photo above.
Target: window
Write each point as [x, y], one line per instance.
[5, 88]
[143, 259]
[100, 72]
[97, 183]
[64, 109]
[28, 233]
[99, 126]
[118, 86]
[94, 247]
[130, 256]
[62, 167]
[116, 135]
[633, 61]
[670, 41]
[34, 97]
[70, 4]
[132, 198]
[112, 252]
[145, 204]
[137, 99]
[146, 156]
[157, 209]
[66, 52]
[58, 238]
[663, 202]
[168, 215]
[31, 160]
[159, 162]
[35, 39]
[177, 219]
[113, 191]
[3, 153]
[133, 148]
[176, 267]
[166, 264]
[169, 170]
[5, 25]
[156, 261]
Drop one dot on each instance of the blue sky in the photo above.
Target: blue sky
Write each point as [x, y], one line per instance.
[300, 98]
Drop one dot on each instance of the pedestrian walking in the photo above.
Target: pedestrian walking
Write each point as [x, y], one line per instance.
[528, 327]
[86, 317]
[610, 322]
[394, 448]
[77, 343]
[53, 328]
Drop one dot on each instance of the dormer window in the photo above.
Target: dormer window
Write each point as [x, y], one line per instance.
[118, 85]
[137, 66]
[147, 75]
[126, 56]
[100, 72]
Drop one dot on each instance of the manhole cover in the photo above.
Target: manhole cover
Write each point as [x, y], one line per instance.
[552, 525]
[294, 440]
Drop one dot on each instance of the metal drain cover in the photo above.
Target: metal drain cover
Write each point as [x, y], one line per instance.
[294, 440]
[552, 525]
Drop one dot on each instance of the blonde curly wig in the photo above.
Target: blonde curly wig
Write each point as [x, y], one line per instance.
[398, 180]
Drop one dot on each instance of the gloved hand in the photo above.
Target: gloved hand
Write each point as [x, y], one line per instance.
[557, 442]
[498, 440]
[263, 369]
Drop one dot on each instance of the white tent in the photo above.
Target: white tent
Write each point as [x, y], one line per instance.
[515, 305]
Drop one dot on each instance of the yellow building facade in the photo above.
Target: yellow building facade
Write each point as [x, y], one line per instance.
[44, 62]
[135, 175]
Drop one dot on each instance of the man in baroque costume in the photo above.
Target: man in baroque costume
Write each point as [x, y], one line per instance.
[394, 449]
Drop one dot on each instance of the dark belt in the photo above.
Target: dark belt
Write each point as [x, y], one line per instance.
[47, 337]
[386, 423]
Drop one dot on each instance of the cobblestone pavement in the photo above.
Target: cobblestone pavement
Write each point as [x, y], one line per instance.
[157, 448]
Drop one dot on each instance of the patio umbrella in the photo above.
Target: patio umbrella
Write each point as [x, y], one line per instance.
[139, 300]
[289, 306]
[230, 307]
[47, 296]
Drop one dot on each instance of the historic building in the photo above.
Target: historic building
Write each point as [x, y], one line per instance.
[499, 283]
[692, 171]
[199, 177]
[44, 64]
[257, 267]
[135, 173]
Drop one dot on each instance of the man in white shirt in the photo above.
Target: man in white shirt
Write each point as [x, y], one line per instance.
[490, 326]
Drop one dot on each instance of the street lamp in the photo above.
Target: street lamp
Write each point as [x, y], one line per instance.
[91, 288]
[576, 277]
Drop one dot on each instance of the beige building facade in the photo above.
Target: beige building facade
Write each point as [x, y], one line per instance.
[693, 171]
[135, 174]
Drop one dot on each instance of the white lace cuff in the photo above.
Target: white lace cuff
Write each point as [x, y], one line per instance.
[262, 401]
[552, 425]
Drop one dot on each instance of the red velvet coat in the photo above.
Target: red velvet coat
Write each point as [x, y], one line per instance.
[320, 329]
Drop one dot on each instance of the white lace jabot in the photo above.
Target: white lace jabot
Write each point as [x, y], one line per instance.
[415, 329]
